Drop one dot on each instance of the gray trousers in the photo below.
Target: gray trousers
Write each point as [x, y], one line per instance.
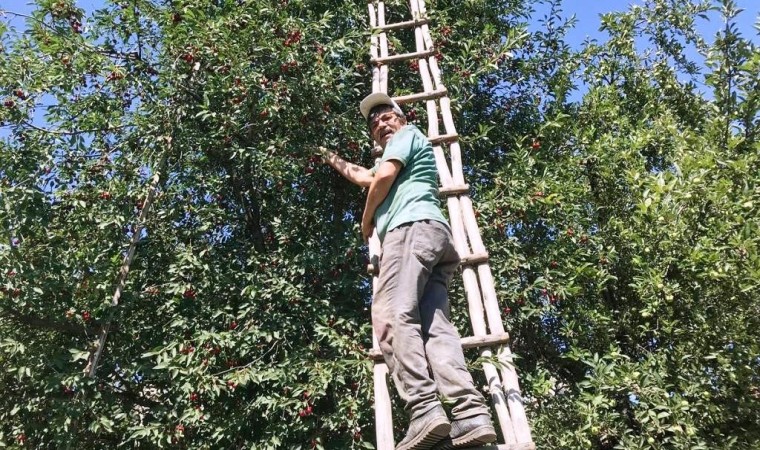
[410, 316]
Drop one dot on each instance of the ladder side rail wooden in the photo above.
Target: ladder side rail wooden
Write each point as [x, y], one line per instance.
[470, 278]
[517, 410]
[383, 408]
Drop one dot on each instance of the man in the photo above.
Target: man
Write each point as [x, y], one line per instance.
[410, 311]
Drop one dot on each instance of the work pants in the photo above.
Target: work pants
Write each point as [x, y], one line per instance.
[410, 315]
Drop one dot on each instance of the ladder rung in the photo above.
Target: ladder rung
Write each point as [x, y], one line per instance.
[454, 190]
[438, 93]
[401, 25]
[475, 258]
[467, 342]
[444, 138]
[403, 57]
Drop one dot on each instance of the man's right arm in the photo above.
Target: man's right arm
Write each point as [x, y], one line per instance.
[358, 175]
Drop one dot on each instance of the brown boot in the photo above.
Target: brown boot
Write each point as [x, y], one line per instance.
[426, 430]
[469, 432]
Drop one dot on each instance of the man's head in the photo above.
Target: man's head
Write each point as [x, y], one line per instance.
[384, 117]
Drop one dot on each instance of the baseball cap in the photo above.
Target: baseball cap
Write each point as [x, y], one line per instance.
[378, 98]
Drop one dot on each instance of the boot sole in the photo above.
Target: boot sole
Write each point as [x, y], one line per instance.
[479, 436]
[429, 436]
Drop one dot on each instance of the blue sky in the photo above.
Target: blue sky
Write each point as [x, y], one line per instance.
[588, 11]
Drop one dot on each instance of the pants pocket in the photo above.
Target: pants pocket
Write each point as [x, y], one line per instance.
[429, 241]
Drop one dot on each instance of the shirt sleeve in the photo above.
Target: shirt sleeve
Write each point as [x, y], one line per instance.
[400, 146]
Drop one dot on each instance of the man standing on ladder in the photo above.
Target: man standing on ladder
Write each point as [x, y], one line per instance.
[410, 311]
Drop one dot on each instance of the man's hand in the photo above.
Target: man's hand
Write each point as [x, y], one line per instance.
[368, 226]
[324, 153]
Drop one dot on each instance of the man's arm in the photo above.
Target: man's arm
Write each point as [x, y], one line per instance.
[381, 184]
[358, 175]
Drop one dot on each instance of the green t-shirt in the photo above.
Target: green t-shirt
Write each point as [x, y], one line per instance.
[414, 194]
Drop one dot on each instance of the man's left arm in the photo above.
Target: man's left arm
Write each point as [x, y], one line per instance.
[381, 184]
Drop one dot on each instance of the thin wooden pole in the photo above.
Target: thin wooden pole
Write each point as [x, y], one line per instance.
[383, 46]
[97, 351]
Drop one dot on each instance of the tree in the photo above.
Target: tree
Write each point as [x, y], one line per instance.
[622, 226]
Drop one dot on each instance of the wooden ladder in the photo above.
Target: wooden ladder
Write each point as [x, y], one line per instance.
[489, 334]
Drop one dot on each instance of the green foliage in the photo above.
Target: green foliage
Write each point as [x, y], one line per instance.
[620, 206]
[624, 228]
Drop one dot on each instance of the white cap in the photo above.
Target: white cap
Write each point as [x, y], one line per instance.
[375, 99]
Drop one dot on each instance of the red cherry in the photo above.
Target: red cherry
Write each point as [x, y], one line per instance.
[570, 232]
[105, 195]
[293, 38]
[194, 397]
[306, 411]
[233, 325]
[536, 144]
[19, 93]
[179, 428]
[9, 103]
[86, 316]
[309, 170]
[189, 293]
[507, 310]
[553, 264]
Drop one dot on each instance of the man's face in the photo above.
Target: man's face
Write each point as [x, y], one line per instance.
[384, 125]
